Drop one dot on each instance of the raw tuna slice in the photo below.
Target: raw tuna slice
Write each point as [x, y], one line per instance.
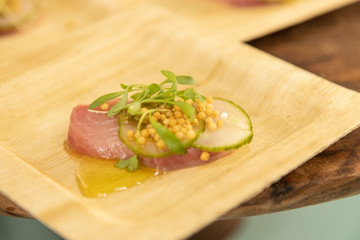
[95, 135]
[174, 162]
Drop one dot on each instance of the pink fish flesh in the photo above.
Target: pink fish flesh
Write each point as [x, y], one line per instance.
[93, 134]
[96, 135]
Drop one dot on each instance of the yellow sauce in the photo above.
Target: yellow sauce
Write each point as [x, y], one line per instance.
[99, 177]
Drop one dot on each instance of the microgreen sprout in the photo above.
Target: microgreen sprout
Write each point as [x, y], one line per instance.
[164, 93]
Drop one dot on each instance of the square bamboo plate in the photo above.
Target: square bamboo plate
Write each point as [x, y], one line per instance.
[295, 115]
[214, 17]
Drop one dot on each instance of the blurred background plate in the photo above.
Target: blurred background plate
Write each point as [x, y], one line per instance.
[54, 20]
[214, 17]
[51, 22]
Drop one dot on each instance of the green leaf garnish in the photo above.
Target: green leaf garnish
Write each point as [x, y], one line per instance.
[133, 163]
[118, 106]
[134, 108]
[105, 98]
[130, 164]
[153, 88]
[137, 95]
[122, 163]
[185, 80]
[187, 109]
[170, 140]
[169, 75]
[190, 93]
[171, 78]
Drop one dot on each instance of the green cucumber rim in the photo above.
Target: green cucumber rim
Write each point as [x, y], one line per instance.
[235, 146]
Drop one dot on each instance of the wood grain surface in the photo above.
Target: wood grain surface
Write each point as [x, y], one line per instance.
[326, 46]
[54, 19]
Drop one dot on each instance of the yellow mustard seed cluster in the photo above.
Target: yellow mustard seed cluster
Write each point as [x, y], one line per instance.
[174, 119]
[178, 123]
[206, 112]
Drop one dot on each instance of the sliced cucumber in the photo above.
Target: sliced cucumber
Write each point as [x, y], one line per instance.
[236, 131]
[149, 149]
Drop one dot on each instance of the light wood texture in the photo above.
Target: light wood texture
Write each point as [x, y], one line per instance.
[213, 17]
[56, 19]
[53, 20]
[295, 115]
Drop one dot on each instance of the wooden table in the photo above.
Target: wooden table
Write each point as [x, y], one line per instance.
[327, 46]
